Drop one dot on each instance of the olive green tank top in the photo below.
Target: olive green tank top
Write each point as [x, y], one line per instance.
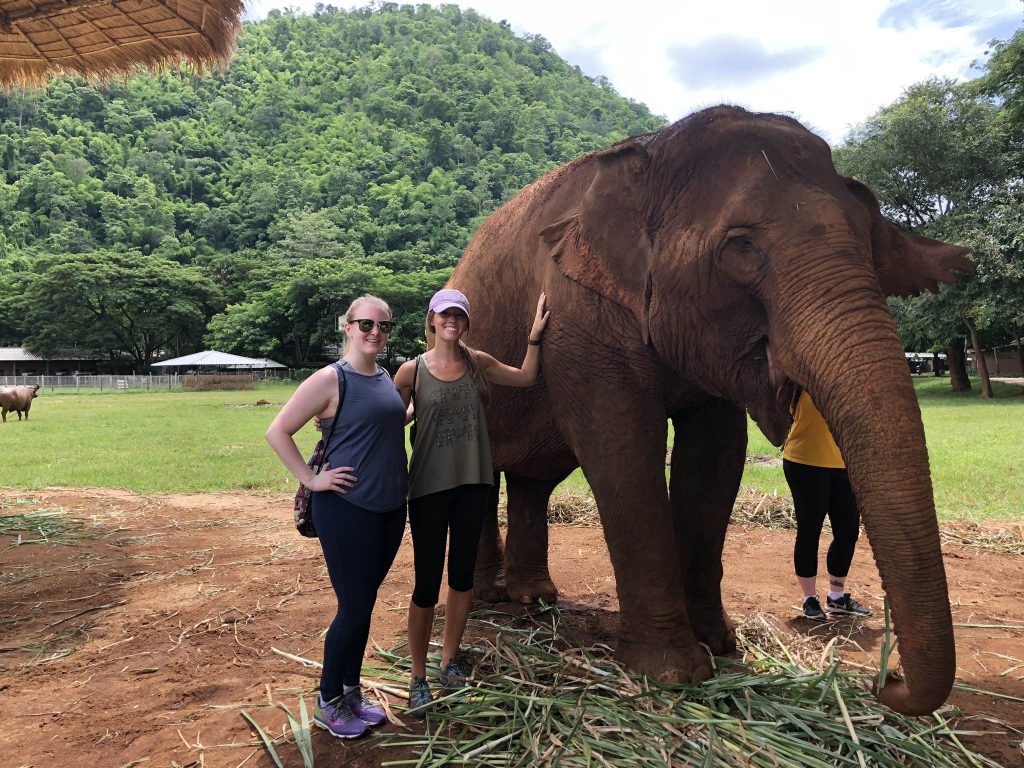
[452, 446]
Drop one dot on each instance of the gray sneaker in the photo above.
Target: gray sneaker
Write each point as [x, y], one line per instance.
[420, 700]
[812, 609]
[452, 677]
[846, 605]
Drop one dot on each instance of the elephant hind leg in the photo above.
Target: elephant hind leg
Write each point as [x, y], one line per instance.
[489, 576]
[526, 544]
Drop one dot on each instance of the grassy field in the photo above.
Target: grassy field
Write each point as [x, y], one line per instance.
[976, 449]
[162, 442]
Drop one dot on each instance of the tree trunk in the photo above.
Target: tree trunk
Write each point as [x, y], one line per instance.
[936, 364]
[957, 368]
[1020, 348]
[979, 358]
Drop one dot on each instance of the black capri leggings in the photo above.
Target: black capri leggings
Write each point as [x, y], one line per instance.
[818, 491]
[359, 547]
[459, 510]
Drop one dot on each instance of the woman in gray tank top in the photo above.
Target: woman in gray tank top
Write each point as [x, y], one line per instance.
[451, 474]
[359, 500]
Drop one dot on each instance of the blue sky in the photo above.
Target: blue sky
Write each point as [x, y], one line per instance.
[829, 63]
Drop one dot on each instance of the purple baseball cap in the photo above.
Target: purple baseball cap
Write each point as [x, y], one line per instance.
[447, 298]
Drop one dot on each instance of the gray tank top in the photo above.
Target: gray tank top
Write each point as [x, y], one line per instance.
[452, 447]
[370, 437]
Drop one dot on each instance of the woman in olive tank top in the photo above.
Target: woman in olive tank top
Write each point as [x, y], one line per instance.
[451, 474]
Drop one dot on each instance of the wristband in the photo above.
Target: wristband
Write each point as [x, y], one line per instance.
[532, 343]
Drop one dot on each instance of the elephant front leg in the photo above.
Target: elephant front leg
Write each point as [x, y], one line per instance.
[489, 576]
[707, 465]
[627, 474]
[526, 543]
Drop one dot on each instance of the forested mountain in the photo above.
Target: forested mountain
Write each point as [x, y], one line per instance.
[340, 152]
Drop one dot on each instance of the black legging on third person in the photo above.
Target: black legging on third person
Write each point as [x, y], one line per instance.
[818, 491]
[359, 547]
[459, 510]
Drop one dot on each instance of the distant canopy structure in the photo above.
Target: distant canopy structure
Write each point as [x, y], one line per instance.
[103, 38]
[221, 361]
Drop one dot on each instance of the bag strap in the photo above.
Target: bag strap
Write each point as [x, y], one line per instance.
[412, 393]
[342, 388]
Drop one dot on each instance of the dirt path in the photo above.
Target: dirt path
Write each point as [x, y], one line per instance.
[138, 643]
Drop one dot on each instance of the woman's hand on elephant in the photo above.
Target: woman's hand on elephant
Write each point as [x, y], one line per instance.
[337, 480]
[540, 320]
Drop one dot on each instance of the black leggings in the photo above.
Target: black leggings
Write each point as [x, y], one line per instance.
[460, 510]
[359, 547]
[818, 491]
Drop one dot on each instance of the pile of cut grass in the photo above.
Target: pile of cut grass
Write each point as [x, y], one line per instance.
[1005, 541]
[36, 526]
[766, 510]
[540, 698]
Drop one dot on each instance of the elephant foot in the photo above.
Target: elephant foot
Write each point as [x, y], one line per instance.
[532, 590]
[714, 629]
[489, 586]
[668, 664]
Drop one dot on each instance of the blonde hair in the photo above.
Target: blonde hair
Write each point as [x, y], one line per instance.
[469, 355]
[350, 313]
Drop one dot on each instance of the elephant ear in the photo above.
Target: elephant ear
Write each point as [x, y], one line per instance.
[605, 245]
[908, 264]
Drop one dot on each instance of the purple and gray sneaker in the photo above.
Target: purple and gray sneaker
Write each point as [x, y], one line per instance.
[366, 710]
[337, 718]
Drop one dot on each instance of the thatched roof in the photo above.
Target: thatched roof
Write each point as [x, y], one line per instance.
[103, 38]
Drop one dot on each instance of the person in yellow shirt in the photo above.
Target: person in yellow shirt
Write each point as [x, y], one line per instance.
[820, 486]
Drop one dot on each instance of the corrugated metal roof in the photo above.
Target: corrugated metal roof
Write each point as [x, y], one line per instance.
[22, 355]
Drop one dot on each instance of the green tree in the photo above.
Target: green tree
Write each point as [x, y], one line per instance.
[124, 303]
[940, 163]
[935, 150]
[295, 319]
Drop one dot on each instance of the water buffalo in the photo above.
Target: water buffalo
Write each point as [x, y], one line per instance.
[17, 398]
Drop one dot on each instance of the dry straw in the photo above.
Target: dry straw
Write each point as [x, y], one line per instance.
[539, 698]
[35, 526]
[769, 510]
[103, 38]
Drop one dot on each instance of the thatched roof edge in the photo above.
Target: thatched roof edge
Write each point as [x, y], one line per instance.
[208, 45]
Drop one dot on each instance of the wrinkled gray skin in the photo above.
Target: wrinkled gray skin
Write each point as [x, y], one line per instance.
[693, 274]
[17, 398]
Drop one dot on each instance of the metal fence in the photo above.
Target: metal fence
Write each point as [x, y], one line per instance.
[113, 382]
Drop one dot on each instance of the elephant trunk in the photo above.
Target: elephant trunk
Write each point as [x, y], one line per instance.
[858, 377]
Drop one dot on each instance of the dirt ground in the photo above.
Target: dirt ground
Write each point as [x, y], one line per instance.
[139, 643]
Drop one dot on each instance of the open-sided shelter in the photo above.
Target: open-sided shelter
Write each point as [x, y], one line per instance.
[219, 361]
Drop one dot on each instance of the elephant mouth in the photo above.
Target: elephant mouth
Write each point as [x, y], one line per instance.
[784, 387]
[771, 407]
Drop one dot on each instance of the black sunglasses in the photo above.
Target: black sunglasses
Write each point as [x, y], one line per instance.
[386, 326]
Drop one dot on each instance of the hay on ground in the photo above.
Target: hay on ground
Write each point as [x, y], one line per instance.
[538, 697]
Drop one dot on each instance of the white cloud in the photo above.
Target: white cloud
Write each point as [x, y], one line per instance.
[829, 64]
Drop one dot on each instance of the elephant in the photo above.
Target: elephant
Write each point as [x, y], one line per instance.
[696, 274]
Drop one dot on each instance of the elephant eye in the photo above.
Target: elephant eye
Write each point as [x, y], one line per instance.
[744, 242]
